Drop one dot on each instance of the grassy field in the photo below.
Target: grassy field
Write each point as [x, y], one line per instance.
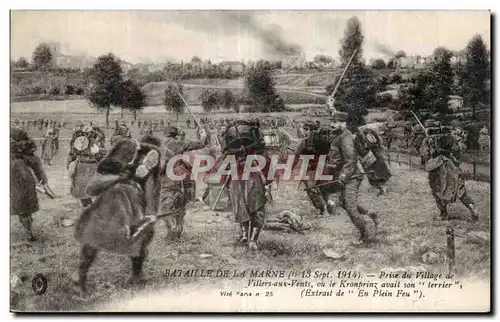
[407, 230]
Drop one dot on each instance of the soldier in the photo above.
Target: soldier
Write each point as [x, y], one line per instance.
[368, 146]
[343, 159]
[173, 193]
[85, 152]
[418, 137]
[126, 187]
[122, 131]
[441, 154]
[48, 146]
[23, 196]
[388, 135]
[484, 139]
[248, 195]
[315, 143]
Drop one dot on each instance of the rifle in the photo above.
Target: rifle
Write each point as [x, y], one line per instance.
[45, 189]
[418, 120]
[330, 98]
[187, 106]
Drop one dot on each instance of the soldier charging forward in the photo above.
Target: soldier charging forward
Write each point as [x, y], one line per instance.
[440, 155]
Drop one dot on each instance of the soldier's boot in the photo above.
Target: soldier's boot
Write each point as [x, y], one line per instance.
[318, 201]
[79, 276]
[179, 225]
[254, 236]
[474, 214]
[86, 202]
[27, 222]
[169, 222]
[244, 233]
[136, 276]
[382, 190]
[330, 207]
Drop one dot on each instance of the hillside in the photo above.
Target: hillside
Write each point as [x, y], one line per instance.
[25, 83]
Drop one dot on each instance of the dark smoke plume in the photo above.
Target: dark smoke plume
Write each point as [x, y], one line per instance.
[384, 49]
[230, 22]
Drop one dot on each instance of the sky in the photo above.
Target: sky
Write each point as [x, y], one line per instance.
[156, 36]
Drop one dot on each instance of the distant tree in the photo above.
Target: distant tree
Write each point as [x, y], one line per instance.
[378, 64]
[400, 54]
[132, 97]
[261, 90]
[172, 100]
[22, 63]
[475, 74]
[229, 101]
[106, 80]
[357, 90]
[440, 81]
[70, 90]
[209, 100]
[42, 57]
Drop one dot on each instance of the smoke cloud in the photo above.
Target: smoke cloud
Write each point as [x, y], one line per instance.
[384, 49]
[231, 23]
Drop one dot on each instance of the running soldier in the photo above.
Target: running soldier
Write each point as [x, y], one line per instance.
[23, 196]
[316, 143]
[368, 146]
[173, 193]
[441, 154]
[86, 150]
[126, 187]
[342, 160]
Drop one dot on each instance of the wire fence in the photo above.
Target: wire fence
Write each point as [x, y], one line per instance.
[474, 168]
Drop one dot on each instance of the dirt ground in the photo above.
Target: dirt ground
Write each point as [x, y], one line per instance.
[407, 230]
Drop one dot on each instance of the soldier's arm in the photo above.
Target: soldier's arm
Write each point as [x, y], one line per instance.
[34, 163]
[350, 158]
[193, 145]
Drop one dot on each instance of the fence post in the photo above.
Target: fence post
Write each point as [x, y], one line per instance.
[450, 245]
[399, 161]
[474, 168]
[410, 162]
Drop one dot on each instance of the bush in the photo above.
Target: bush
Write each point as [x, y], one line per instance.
[70, 90]
[55, 91]
[79, 91]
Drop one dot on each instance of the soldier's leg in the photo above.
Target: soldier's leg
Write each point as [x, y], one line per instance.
[179, 222]
[27, 222]
[245, 233]
[316, 197]
[350, 203]
[137, 262]
[434, 184]
[256, 224]
[87, 257]
[468, 202]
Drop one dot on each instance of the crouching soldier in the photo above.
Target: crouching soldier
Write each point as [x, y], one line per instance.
[126, 187]
[343, 159]
[173, 193]
[440, 155]
[23, 196]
